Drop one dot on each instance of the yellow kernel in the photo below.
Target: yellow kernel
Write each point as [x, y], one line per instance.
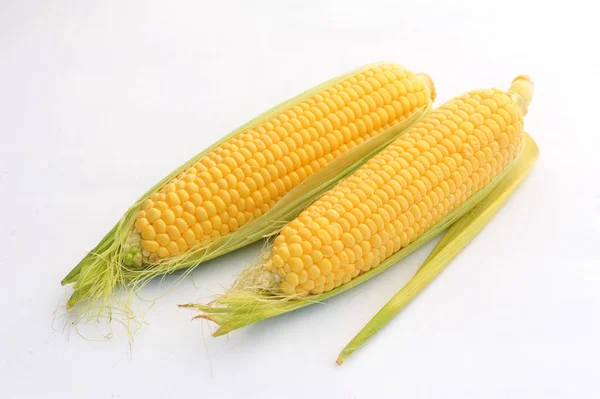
[163, 239]
[308, 285]
[296, 264]
[191, 187]
[147, 204]
[356, 234]
[188, 218]
[210, 208]
[169, 188]
[292, 279]
[284, 252]
[150, 246]
[183, 195]
[319, 288]
[172, 199]
[295, 250]
[141, 223]
[276, 261]
[215, 173]
[205, 193]
[219, 204]
[207, 227]
[337, 246]
[313, 272]
[334, 230]
[302, 276]
[181, 225]
[160, 226]
[161, 205]
[168, 216]
[332, 215]
[216, 222]
[189, 237]
[316, 255]
[173, 248]
[503, 140]
[177, 210]
[243, 190]
[188, 207]
[181, 244]
[198, 232]
[162, 252]
[338, 261]
[201, 214]
[513, 111]
[153, 214]
[321, 221]
[148, 233]
[173, 233]
[327, 251]
[307, 261]
[324, 266]
[324, 237]
[351, 219]
[348, 240]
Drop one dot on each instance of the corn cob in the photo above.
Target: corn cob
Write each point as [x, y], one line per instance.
[396, 196]
[418, 186]
[265, 172]
[245, 176]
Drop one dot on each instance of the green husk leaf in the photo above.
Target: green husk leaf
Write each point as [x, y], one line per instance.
[102, 270]
[453, 241]
[238, 308]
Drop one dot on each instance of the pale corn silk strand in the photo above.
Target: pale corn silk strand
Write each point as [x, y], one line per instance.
[250, 183]
[447, 163]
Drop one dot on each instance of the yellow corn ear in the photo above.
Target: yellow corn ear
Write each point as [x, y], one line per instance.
[244, 177]
[396, 196]
[254, 180]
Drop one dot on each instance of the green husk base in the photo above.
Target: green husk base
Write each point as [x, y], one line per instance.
[453, 241]
[240, 307]
[102, 270]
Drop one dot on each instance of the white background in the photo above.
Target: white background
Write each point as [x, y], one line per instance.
[98, 100]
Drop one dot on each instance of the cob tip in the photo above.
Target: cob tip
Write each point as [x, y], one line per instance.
[426, 79]
[521, 90]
